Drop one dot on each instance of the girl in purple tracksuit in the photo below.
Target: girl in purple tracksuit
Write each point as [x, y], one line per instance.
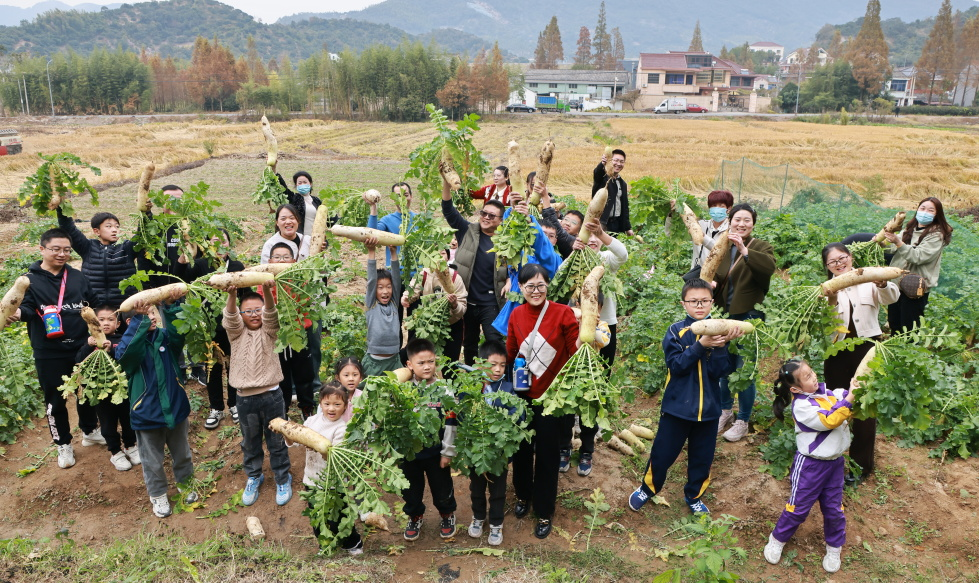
[822, 434]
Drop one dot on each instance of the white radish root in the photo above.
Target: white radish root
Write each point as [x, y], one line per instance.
[12, 299]
[721, 248]
[154, 296]
[608, 161]
[513, 163]
[589, 305]
[620, 446]
[403, 375]
[239, 279]
[860, 275]
[94, 327]
[719, 327]
[863, 369]
[372, 196]
[595, 209]
[271, 144]
[297, 433]
[254, 526]
[630, 438]
[544, 160]
[363, 233]
[273, 268]
[143, 193]
[318, 236]
[893, 226]
[693, 227]
[377, 521]
[448, 171]
[640, 431]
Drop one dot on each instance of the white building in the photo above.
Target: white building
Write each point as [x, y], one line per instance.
[766, 46]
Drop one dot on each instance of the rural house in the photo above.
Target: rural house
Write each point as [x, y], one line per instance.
[717, 83]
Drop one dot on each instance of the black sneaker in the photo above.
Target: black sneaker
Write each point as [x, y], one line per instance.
[521, 508]
[414, 528]
[565, 461]
[543, 528]
[447, 525]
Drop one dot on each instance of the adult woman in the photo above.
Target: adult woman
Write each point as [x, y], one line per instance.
[545, 334]
[287, 231]
[742, 282]
[719, 203]
[919, 250]
[499, 190]
[857, 306]
[303, 199]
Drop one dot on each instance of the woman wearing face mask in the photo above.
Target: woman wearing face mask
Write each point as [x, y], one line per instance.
[918, 250]
[287, 231]
[719, 202]
[303, 199]
[499, 190]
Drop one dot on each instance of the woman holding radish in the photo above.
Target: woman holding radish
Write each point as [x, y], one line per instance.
[302, 199]
[857, 306]
[918, 250]
[719, 203]
[741, 277]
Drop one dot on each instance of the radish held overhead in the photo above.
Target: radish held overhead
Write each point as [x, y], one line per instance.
[153, 296]
[363, 233]
[595, 209]
[690, 220]
[893, 226]
[513, 164]
[143, 193]
[544, 160]
[271, 144]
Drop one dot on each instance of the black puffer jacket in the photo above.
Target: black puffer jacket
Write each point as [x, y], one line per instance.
[104, 265]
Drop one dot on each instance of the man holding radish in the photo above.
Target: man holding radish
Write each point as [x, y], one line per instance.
[608, 175]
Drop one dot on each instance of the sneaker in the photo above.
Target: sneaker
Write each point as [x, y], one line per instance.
[447, 525]
[543, 528]
[521, 508]
[697, 506]
[66, 456]
[357, 549]
[283, 492]
[737, 431]
[584, 464]
[133, 454]
[638, 499]
[831, 562]
[93, 438]
[726, 416]
[161, 506]
[565, 458]
[496, 535]
[120, 461]
[414, 528]
[213, 419]
[234, 413]
[190, 496]
[773, 550]
[251, 490]
[476, 528]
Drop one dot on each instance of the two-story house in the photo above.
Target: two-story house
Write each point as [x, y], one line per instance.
[692, 74]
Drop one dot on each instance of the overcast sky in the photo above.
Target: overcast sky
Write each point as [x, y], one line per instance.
[267, 11]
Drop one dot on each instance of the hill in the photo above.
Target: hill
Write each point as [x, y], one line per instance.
[646, 25]
[170, 28]
[14, 15]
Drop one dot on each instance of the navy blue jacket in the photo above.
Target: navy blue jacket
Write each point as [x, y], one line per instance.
[692, 389]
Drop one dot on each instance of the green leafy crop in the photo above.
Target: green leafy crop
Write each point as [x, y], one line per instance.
[56, 180]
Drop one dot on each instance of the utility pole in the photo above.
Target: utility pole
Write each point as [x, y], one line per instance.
[798, 90]
[50, 93]
[26, 98]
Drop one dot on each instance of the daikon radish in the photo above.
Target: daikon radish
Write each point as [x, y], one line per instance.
[403, 375]
[271, 144]
[589, 305]
[273, 268]
[558, 206]
[513, 163]
[363, 233]
[719, 327]
[55, 201]
[143, 193]
[255, 527]
[94, 327]
[318, 236]
[239, 279]
[448, 171]
[371, 196]
[595, 209]
[575, 443]
[640, 431]
[377, 521]
[690, 220]
[620, 446]
[628, 437]
[860, 275]
[722, 247]
[445, 280]
[608, 161]
[12, 299]
[894, 225]
[297, 433]
[544, 160]
[863, 369]
[154, 296]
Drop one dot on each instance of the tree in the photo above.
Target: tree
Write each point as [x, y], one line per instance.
[837, 48]
[540, 54]
[582, 57]
[788, 96]
[549, 49]
[602, 43]
[812, 57]
[969, 55]
[868, 53]
[830, 88]
[618, 53]
[937, 63]
[696, 43]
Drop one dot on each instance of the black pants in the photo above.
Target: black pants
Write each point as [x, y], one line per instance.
[110, 418]
[673, 432]
[348, 542]
[608, 353]
[588, 435]
[479, 485]
[49, 373]
[297, 377]
[215, 376]
[905, 312]
[837, 372]
[535, 465]
[439, 482]
[476, 317]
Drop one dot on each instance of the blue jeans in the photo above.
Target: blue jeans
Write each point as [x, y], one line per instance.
[254, 414]
[746, 398]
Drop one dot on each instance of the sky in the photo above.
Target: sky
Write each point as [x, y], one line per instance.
[267, 11]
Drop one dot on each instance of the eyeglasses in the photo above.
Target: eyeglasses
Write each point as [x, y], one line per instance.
[490, 216]
[698, 303]
[839, 261]
[530, 288]
[254, 312]
[59, 250]
[280, 258]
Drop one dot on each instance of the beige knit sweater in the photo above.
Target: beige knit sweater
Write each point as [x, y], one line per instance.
[254, 365]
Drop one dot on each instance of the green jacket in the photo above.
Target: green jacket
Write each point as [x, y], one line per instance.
[923, 256]
[750, 277]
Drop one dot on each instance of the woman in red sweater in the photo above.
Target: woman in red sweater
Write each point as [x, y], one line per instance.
[545, 334]
[499, 190]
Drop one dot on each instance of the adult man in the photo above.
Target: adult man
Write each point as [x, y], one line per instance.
[615, 218]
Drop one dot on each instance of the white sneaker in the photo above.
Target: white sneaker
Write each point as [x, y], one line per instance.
[161, 506]
[93, 438]
[476, 528]
[234, 417]
[773, 550]
[133, 454]
[213, 419]
[737, 431]
[495, 535]
[831, 562]
[120, 461]
[726, 416]
[66, 456]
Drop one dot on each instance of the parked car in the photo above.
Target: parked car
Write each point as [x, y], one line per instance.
[9, 142]
[520, 108]
[694, 108]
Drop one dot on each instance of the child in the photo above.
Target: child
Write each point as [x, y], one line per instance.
[494, 353]
[822, 434]
[691, 401]
[426, 283]
[329, 422]
[122, 453]
[348, 372]
[105, 260]
[433, 461]
[148, 353]
[254, 371]
[383, 320]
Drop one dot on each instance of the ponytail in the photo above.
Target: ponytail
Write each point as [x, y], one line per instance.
[786, 378]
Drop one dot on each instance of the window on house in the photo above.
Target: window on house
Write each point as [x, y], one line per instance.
[572, 85]
[552, 85]
[689, 79]
[703, 78]
[672, 79]
[652, 78]
[532, 84]
[899, 84]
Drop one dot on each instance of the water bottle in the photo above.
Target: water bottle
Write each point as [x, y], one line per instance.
[52, 322]
[521, 375]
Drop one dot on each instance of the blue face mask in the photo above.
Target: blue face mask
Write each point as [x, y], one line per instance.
[304, 189]
[718, 214]
[924, 218]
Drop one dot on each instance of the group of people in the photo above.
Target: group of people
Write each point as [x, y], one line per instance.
[540, 333]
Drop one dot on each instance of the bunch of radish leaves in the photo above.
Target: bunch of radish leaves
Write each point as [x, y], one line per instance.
[570, 276]
[430, 320]
[270, 191]
[300, 293]
[582, 388]
[57, 179]
[97, 378]
[426, 237]
[347, 205]
[514, 241]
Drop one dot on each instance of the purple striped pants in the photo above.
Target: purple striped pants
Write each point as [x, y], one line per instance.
[813, 480]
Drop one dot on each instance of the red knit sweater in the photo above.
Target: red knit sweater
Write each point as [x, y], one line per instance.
[491, 192]
[559, 328]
